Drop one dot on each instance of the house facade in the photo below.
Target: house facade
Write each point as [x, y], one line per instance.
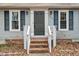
[13, 17]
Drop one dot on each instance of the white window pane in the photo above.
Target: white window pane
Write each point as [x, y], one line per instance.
[63, 16]
[15, 25]
[15, 21]
[63, 20]
[63, 24]
[14, 16]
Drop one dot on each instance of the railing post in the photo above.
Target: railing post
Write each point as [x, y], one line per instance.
[28, 39]
[25, 40]
[54, 36]
[49, 38]
[49, 43]
[28, 44]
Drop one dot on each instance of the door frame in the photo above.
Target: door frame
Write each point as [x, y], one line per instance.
[45, 20]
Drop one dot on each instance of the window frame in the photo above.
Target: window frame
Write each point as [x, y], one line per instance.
[67, 20]
[10, 18]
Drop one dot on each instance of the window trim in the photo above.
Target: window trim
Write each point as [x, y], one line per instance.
[67, 20]
[10, 18]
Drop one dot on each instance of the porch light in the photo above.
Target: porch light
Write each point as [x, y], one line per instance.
[50, 12]
[26, 12]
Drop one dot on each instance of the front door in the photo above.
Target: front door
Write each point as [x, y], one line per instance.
[39, 23]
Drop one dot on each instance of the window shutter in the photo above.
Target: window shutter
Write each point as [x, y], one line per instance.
[22, 19]
[70, 20]
[56, 19]
[6, 20]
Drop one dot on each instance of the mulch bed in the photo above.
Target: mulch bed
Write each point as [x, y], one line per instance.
[66, 48]
[63, 48]
[7, 50]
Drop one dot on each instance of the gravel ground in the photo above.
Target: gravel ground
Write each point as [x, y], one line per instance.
[63, 48]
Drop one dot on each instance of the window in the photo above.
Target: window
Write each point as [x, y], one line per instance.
[14, 20]
[63, 20]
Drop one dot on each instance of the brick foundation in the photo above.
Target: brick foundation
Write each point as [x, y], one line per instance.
[17, 42]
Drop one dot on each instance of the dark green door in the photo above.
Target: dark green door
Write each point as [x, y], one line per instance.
[39, 26]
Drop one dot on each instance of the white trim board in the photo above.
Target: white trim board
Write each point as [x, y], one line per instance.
[10, 19]
[67, 19]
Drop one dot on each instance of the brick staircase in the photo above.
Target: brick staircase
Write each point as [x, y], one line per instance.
[39, 45]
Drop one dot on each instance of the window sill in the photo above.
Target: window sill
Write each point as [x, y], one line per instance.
[63, 29]
[15, 30]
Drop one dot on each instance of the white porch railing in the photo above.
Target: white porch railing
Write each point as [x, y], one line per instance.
[49, 38]
[51, 35]
[27, 38]
[54, 36]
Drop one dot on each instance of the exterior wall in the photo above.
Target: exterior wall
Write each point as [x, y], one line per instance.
[10, 34]
[74, 34]
[19, 34]
[27, 17]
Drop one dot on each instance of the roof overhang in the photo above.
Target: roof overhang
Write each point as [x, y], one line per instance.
[39, 5]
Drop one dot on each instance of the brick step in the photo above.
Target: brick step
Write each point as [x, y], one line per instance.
[39, 41]
[43, 40]
[39, 37]
[38, 45]
[39, 50]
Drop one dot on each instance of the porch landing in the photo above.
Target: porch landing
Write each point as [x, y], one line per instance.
[64, 48]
